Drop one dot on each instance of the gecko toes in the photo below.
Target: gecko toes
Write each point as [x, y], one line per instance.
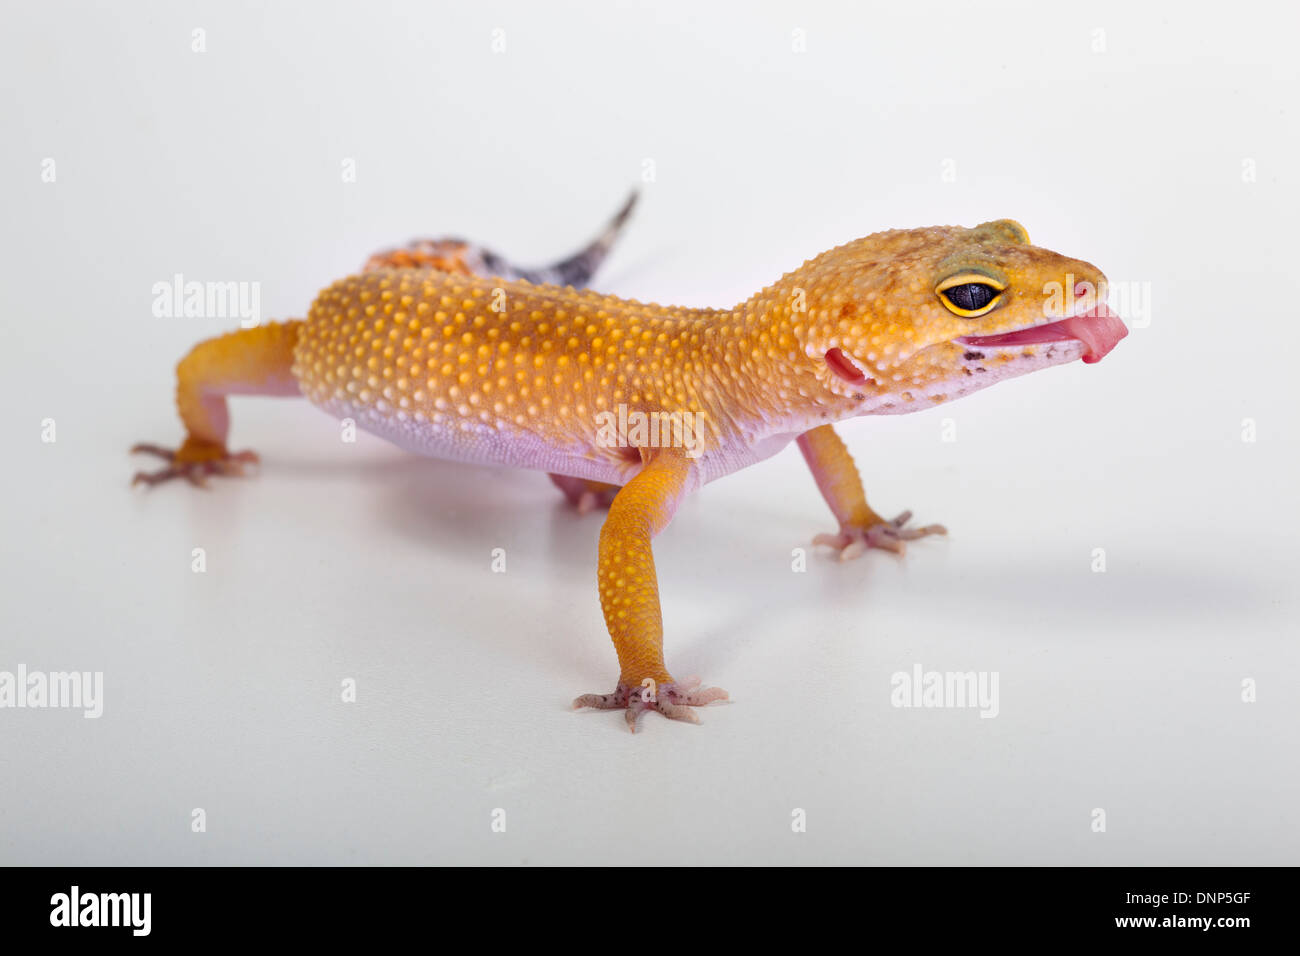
[193, 461]
[854, 541]
[673, 700]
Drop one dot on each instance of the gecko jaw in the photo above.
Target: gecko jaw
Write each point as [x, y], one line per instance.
[1098, 330]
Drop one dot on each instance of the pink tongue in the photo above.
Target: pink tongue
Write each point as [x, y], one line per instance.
[1099, 329]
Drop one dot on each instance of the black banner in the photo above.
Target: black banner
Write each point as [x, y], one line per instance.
[1170, 906]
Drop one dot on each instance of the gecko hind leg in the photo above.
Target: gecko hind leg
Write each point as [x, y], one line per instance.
[585, 495]
[256, 361]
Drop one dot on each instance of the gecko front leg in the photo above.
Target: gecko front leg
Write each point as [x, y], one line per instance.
[629, 594]
[840, 484]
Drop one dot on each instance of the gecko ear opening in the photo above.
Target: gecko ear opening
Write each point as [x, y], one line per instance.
[845, 367]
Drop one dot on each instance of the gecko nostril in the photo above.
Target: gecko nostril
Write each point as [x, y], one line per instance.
[1080, 290]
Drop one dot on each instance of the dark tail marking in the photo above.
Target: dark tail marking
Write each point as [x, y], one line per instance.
[578, 268]
[467, 258]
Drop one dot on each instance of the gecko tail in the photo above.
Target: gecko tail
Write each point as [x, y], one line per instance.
[578, 268]
[467, 258]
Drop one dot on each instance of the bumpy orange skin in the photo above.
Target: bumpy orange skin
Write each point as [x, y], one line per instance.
[463, 357]
[447, 255]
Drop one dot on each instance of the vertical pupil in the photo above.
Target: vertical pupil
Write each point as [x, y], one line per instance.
[971, 296]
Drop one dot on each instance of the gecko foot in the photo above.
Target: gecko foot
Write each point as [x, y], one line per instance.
[886, 535]
[673, 700]
[194, 461]
[585, 495]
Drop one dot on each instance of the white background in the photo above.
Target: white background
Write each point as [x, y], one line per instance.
[1119, 690]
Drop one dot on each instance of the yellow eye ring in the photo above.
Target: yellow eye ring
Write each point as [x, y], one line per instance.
[970, 294]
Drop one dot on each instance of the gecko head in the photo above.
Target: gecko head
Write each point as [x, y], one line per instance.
[906, 319]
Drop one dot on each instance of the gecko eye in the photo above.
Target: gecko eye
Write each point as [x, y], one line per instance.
[969, 295]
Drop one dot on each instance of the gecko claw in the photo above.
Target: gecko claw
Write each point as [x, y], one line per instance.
[853, 541]
[674, 700]
[156, 450]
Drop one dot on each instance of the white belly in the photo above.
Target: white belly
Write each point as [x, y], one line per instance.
[503, 445]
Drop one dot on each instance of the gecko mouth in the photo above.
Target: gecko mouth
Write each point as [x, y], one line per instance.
[1099, 330]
